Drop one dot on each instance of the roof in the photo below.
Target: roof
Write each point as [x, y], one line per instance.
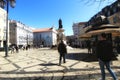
[81, 23]
[42, 30]
[114, 31]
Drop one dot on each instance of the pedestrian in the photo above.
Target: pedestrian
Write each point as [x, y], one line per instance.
[26, 47]
[16, 47]
[89, 46]
[62, 51]
[104, 52]
[93, 45]
[12, 49]
[23, 47]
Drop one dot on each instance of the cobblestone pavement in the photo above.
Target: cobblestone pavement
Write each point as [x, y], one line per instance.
[42, 64]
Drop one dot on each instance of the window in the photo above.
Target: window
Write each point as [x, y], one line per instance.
[115, 10]
[108, 14]
[116, 19]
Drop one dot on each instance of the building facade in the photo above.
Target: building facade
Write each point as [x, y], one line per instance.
[2, 27]
[46, 37]
[20, 34]
[77, 30]
[108, 15]
[81, 26]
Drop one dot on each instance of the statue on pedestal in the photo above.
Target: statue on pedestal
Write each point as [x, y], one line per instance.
[60, 35]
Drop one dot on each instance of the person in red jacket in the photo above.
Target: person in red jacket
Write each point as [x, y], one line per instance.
[62, 51]
[104, 52]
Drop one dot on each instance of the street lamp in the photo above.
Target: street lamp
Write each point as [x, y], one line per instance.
[6, 3]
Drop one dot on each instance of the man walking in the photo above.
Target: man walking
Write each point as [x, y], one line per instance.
[105, 55]
[62, 51]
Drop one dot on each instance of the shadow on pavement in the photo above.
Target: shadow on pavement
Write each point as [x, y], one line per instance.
[80, 74]
[82, 57]
[48, 75]
[48, 64]
[45, 73]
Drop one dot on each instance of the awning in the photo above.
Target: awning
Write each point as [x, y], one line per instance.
[109, 25]
[85, 36]
[114, 31]
[107, 30]
[101, 27]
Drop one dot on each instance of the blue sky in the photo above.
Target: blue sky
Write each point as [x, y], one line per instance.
[46, 13]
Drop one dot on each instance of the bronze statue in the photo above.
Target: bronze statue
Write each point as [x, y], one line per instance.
[60, 24]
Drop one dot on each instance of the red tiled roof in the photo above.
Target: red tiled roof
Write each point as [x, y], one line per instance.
[42, 30]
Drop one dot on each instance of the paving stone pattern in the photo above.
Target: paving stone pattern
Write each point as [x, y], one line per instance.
[42, 64]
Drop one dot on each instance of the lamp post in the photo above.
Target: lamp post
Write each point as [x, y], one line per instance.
[6, 3]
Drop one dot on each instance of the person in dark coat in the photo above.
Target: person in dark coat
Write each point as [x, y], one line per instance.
[17, 49]
[62, 51]
[89, 46]
[104, 52]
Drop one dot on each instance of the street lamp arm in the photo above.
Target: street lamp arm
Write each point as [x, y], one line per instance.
[2, 3]
[12, 3]
[5, 2]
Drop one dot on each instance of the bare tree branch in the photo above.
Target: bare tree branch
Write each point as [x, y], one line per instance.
[91, 2]
[100, 3]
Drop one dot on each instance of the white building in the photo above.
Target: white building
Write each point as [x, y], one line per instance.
[45, 37]
[20, 34]
[81, 28]
[77, 30]
[2, 27]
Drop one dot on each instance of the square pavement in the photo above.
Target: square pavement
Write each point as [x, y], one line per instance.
[42, 64]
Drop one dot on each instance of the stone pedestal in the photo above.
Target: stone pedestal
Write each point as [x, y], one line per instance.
[60, 35]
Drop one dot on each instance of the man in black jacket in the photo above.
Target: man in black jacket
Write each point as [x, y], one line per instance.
[62, 51]
[104, 51]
